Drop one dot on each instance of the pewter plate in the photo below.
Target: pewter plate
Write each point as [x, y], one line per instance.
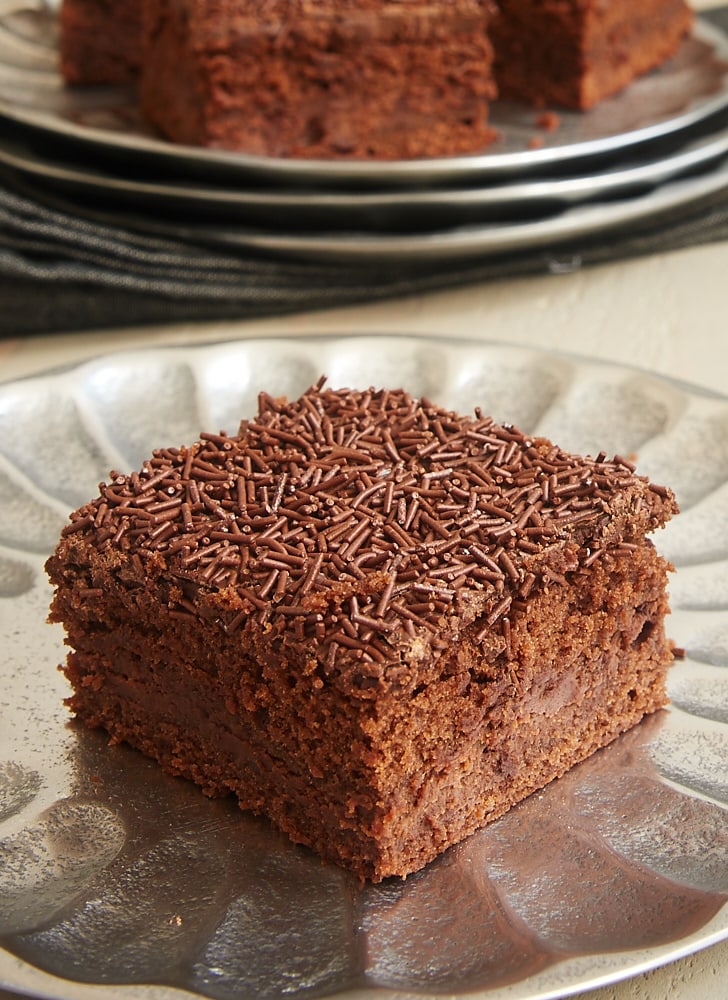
[555, 234]
[386, 211]
[117, 881]
[687, 90]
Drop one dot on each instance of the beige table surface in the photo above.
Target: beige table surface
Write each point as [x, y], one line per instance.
[666, 313]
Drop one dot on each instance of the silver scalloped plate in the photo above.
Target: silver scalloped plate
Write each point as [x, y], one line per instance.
[375, 211]
[686, 90]
[118, 882]
[460, 242]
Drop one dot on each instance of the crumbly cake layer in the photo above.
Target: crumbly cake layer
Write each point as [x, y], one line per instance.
[376, 621]
[360, 78]
[100, 40]
[574, 53]
[363, 79]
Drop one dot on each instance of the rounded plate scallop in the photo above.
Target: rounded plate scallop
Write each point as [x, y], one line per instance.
[687, 90]
[121, 881]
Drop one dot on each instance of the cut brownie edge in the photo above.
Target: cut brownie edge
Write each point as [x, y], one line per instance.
[367, 80]
[574, 55]
[100, 41]
[485, 735]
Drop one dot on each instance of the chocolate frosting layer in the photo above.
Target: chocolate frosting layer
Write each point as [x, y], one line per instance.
[361, 521]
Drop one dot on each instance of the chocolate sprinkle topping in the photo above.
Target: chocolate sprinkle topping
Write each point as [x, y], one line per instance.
[359, 519]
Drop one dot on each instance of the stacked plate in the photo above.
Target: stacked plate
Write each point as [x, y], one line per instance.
[659, 146]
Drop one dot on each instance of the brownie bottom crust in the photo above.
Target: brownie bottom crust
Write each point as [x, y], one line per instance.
[380, 787]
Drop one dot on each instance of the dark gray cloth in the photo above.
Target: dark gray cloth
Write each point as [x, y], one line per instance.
[63, 267]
